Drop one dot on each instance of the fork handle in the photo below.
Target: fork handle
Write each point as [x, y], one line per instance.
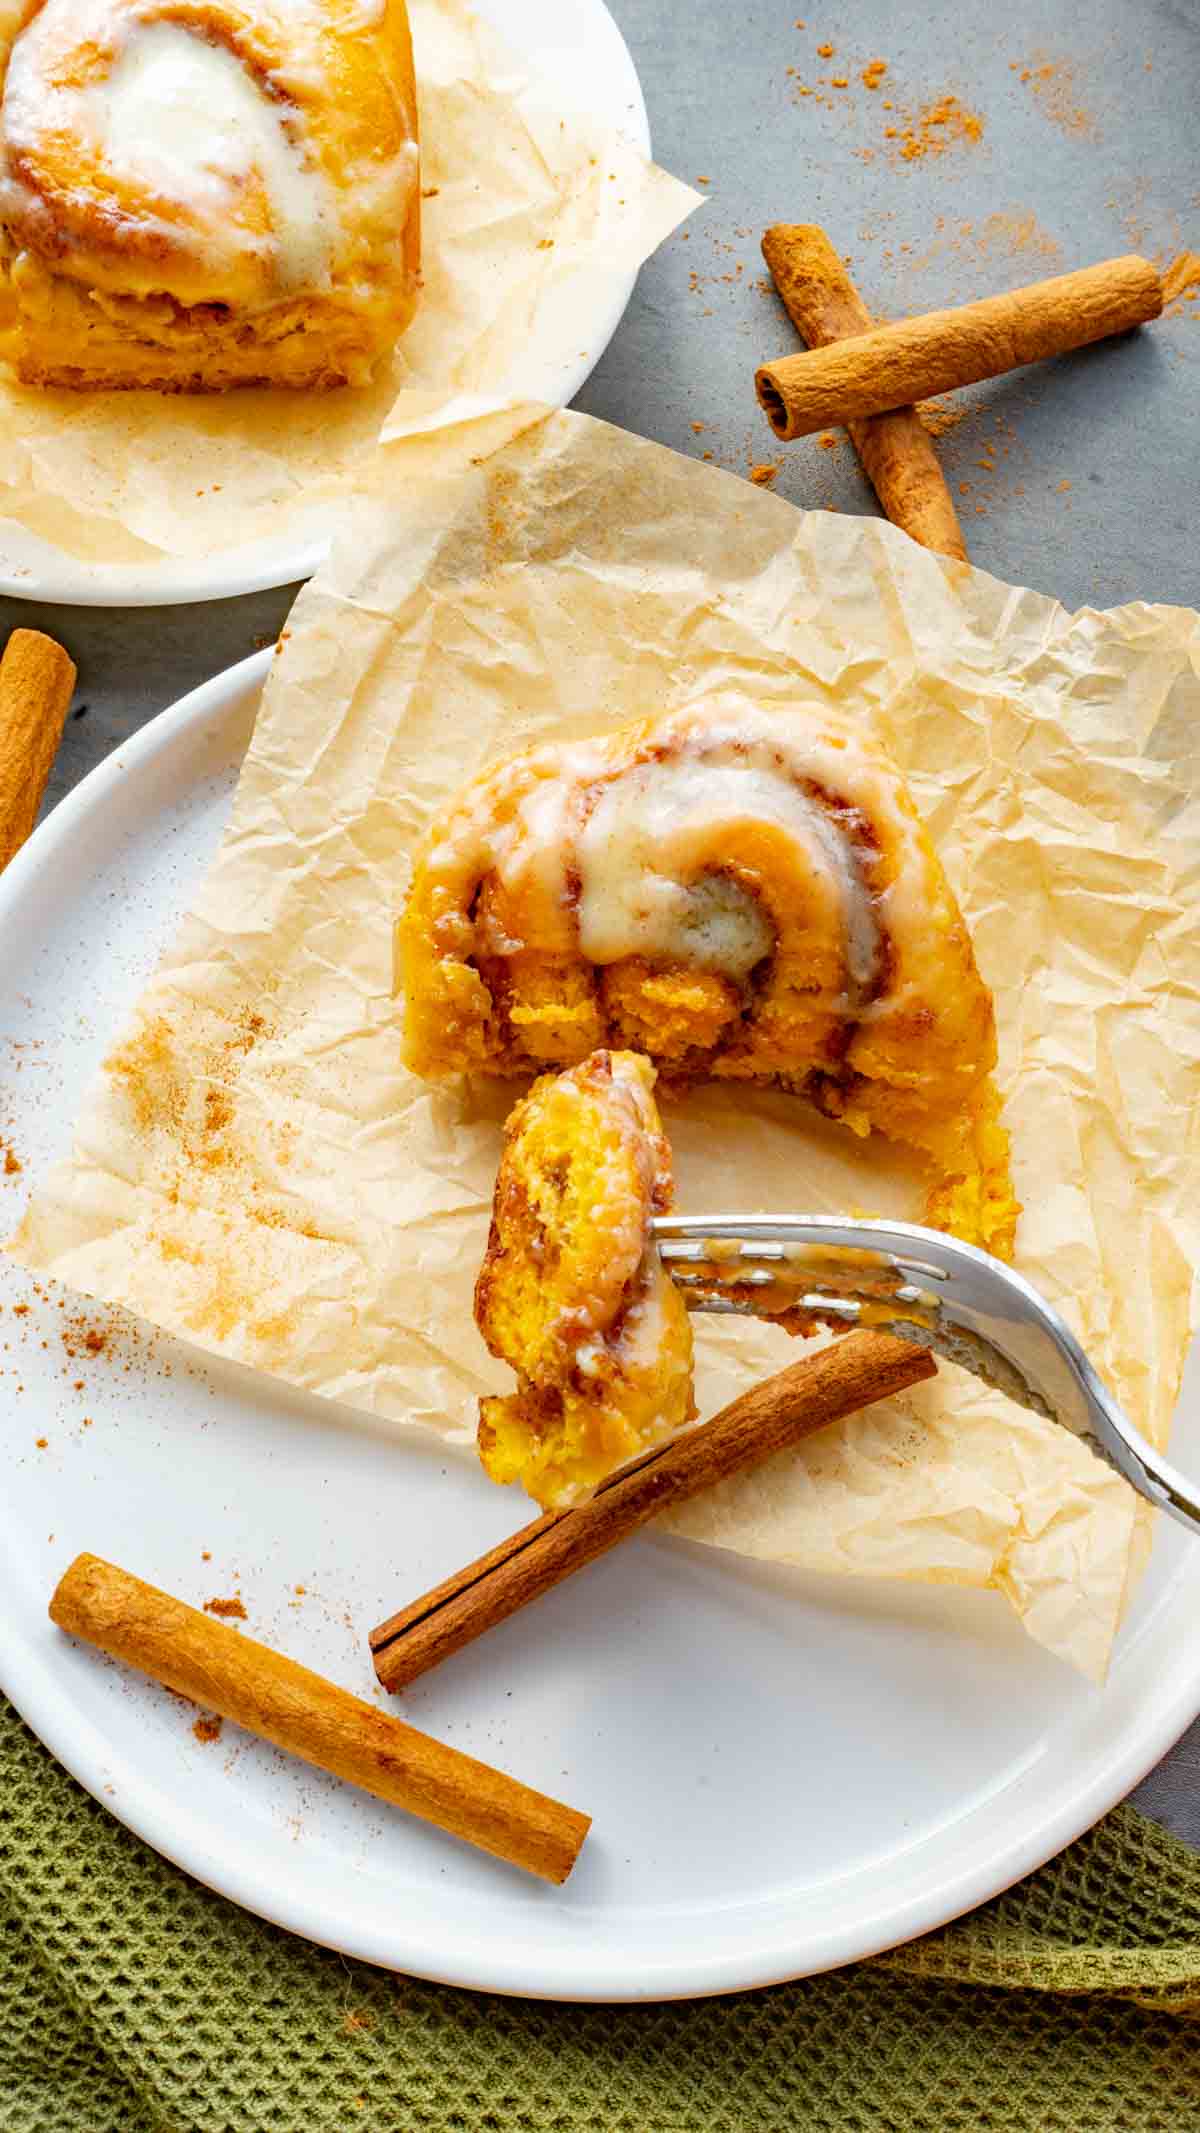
[1139, 1463]
[1113, 1437]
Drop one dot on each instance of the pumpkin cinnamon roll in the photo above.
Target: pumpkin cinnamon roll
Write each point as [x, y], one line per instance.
[572, 1292]
[735, 892]
[204, 193]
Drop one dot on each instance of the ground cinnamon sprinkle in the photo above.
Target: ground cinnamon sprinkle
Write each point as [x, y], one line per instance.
[935, 128]
[942, 415]
[183, 1079]
[229, 1610]
[1052, 84]
[81, 1337]
[208, 1729]
[1008, 233]
[163, 1092]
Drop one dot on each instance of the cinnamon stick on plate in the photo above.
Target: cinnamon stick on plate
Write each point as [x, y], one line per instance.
[36, 680]
[893, 366]
[896, 449]
[771, 1417]
[308, 1716]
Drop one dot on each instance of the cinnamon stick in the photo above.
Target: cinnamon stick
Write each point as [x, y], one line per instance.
[893, 366]
[896, 449]
[773, 1416]
[312, 1718]
[36, 680]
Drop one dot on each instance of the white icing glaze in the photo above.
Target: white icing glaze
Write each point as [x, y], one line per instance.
[643, 847]
[188, 119]
[539, 840]
[654, 832]
[196, 149]
[639, 1339]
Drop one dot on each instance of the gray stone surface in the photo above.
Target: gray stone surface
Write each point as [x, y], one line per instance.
[1087, 484]
[1096, 159]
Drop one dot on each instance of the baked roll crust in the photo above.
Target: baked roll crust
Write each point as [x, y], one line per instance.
[735, 891]
[572, 1291]
[196, 194]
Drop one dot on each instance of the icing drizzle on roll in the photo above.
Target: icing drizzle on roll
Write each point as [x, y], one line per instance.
[188, 121]
[674, 856]
[213, 150]
[192, 131]
[646, 852]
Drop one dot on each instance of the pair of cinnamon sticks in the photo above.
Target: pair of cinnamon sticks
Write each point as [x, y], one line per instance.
[867, 379]
[283, 1702]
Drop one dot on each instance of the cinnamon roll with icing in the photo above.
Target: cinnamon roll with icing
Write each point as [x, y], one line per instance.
[572, 1292]
[197, 194]
[735, 891]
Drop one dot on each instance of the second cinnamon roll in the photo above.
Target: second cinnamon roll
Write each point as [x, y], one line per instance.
[203, 193]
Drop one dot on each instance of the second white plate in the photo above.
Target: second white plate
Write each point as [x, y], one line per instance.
[577, 48]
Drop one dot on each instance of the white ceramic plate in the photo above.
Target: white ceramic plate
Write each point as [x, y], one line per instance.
[574, 43]
[785, 1772]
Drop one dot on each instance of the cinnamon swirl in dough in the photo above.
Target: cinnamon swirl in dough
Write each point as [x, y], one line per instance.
[204, 193]
[573, 1293]
[734, 891]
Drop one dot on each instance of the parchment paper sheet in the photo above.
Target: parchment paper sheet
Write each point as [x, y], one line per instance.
[527, 205]
[257, 1172]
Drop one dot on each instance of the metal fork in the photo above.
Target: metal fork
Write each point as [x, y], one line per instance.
[924, 1287]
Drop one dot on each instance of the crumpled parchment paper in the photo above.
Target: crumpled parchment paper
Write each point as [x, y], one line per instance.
[257, 1171]
[530, 209]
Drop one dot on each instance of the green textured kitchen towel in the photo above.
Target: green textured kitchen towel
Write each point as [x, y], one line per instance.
[134, 2001]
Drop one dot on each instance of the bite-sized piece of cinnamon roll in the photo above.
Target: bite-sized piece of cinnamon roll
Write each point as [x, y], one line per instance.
[735, 891]
[203, 193]
[572, 1292]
